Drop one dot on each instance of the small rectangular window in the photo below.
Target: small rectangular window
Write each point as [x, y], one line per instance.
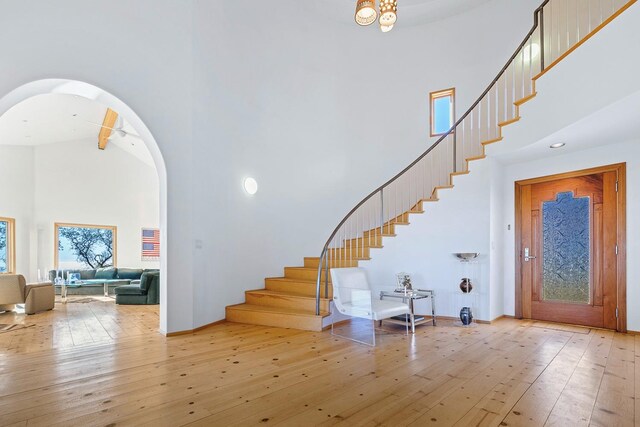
[7, 245]
[442, 111]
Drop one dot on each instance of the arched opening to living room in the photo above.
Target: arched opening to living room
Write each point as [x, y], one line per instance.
[94, 213]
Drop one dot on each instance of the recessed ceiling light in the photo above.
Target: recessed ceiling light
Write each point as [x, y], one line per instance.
[25, 121]
[250, 186]
[557, 145]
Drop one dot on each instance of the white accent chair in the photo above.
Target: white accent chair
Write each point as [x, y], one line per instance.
[353, 297]
[36, 297]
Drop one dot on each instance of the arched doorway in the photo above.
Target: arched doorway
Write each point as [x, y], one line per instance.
[91, 92]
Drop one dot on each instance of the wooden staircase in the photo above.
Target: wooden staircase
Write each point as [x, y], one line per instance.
[286, 302]
[290, 301]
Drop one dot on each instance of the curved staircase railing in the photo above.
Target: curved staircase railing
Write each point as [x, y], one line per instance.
[559, 27]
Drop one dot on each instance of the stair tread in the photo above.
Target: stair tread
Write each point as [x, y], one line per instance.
[310, 269]
[283, 293]
[279, 310]
[290, 279]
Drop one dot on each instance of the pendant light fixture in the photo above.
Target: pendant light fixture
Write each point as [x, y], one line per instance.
[388, 14]
[366, 12]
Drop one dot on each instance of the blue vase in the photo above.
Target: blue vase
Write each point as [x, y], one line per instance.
[466, 316]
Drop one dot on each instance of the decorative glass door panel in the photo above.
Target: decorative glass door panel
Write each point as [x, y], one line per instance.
[566, 249]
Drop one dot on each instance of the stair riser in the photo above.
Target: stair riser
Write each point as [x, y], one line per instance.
[278, 320]
[284, 301]
[299, 288]
[348, 253]
[311, 274]
[313, 263]
[366, 242]
[404, 217]
[387, 229]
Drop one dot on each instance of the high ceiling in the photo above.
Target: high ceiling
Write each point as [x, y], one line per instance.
[410, 12]
[55, 118]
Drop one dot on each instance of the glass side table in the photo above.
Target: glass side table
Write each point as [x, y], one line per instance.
[63, 289]
[409, 297]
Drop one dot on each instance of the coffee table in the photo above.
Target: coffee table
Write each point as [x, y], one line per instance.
[80, 283]
[63, 290]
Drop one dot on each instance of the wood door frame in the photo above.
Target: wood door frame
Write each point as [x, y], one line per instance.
[621, 260]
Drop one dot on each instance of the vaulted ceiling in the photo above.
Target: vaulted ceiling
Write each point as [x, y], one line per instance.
[56, 118]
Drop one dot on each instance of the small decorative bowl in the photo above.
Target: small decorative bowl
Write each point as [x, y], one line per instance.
[466, 256]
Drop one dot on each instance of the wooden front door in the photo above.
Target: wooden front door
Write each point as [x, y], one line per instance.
[568, 250]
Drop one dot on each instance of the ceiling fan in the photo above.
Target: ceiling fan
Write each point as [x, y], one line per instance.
[117, 131]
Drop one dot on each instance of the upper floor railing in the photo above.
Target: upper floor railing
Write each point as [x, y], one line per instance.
[559, 27]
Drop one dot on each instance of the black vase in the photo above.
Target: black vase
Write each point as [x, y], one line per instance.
[466, 316]
[465, 285]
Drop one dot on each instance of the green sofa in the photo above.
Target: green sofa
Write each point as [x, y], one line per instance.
[93, 280]
[145, 292]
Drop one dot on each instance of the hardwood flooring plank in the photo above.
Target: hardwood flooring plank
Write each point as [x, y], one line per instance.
[537, 402]
[575, 404]
[615, 405]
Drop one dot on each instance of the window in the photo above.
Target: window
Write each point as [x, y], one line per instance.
[7, 245]
[442, 111]
[79, 246]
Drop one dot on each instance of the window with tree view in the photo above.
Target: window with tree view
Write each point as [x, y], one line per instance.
[442, 111]
[85, 246]
[7, 261]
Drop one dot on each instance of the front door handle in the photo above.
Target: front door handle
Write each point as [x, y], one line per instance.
[526, 255]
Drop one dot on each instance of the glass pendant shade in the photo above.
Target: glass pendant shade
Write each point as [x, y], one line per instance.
[366, 12]
[386, 28]
[388, 13]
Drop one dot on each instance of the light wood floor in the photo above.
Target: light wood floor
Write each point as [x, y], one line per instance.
[101, 364]
[77, 324]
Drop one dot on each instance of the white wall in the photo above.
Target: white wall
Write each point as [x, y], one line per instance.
[17, 186]
[320, 113]
[77, 183]
[458, 222]
[496, 233]
[628, 152]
